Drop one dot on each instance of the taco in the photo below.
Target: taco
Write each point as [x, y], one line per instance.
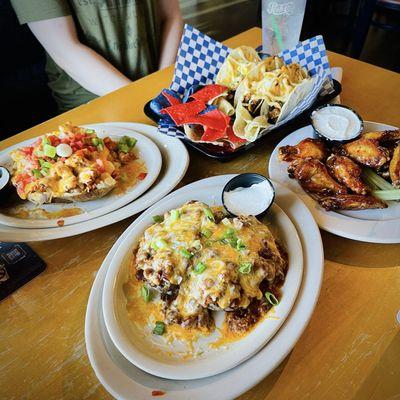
[236, 66]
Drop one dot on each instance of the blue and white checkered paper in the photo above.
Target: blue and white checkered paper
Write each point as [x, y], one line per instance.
[200, 57]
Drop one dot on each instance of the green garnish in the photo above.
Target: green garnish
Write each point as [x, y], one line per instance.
[175, 214]
[271, 298]
[131, 142]
[209, 214]
[123, 147]
[245, 267]
[230, 232]
[206, 233]
[44, 171]
[145, 293]
[49, 150]
[199, 268]
[44, 163]
[185, 253]
[45, 141]
[240, 245]
[36, 173]
[159, 244]
[158, 218]
[97, 142]
[159, 328]
[89, 130]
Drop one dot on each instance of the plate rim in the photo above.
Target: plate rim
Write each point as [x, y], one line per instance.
[325, 219]
[103, 364]
[8, 233]
[178, 371]
[146, 145]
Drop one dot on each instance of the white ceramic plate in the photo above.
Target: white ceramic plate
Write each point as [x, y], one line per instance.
[145, 149]
[173, 170]
[152, 353]
[125, 381]
[377, 226]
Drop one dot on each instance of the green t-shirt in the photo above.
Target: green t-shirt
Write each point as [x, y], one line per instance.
[124, 32]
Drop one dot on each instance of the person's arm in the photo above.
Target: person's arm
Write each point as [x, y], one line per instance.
[171, 20]
[59, 38]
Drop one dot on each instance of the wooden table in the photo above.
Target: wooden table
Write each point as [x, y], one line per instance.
[350, 349]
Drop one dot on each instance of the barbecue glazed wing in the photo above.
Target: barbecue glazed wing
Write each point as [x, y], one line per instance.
[351, 202]
[366, 152]
[346, 172]
[383, 136]
[394, 167]
[307, 148]
[314, 177]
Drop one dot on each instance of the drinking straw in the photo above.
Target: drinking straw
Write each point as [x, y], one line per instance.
[277, 32]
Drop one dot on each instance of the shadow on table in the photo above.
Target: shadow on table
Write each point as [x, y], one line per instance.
[360, 254]
[383, 382]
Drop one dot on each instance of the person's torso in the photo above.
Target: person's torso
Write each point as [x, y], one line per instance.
[124, 32]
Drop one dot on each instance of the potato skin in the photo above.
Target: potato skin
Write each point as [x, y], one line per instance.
[74, 197]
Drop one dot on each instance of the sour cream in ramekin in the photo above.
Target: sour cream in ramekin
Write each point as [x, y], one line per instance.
[336, 122]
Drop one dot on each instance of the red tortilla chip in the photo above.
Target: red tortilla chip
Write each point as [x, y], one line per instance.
[172, 100]
[209, 92]
[180, 112]
[214, 119]
[212, 135]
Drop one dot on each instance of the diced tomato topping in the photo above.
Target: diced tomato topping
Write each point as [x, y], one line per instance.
[142, 175]
[27, 150]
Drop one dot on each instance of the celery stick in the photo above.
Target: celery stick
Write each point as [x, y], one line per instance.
[373, 179]
[393, 194]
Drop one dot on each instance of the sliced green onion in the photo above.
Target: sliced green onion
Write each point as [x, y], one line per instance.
[271, 298]
[145, 293]
[232, 241]
[44, 171]
[45, 140]
[96, 141]
[185, 253]
[240, 245]
[245, 267]
[375, 181]
[123, 147]
[206, 233]
[175, 214]
[36, 173]
[131, 142]
[159, 328]
[49, 150]
[388, 195]
[90, 131]
[199, 268]
[159, 244]
[44, 163]
[209, 214]
[229, 233]
[158, 218]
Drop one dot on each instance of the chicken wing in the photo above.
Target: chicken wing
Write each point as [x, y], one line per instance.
[351, 202]
[346, 172]
[307, 148]
[384, 136]
[394, 167]
[314, 177]
[366, 152]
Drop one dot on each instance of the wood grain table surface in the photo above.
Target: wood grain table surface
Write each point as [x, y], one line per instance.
[351, 347]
